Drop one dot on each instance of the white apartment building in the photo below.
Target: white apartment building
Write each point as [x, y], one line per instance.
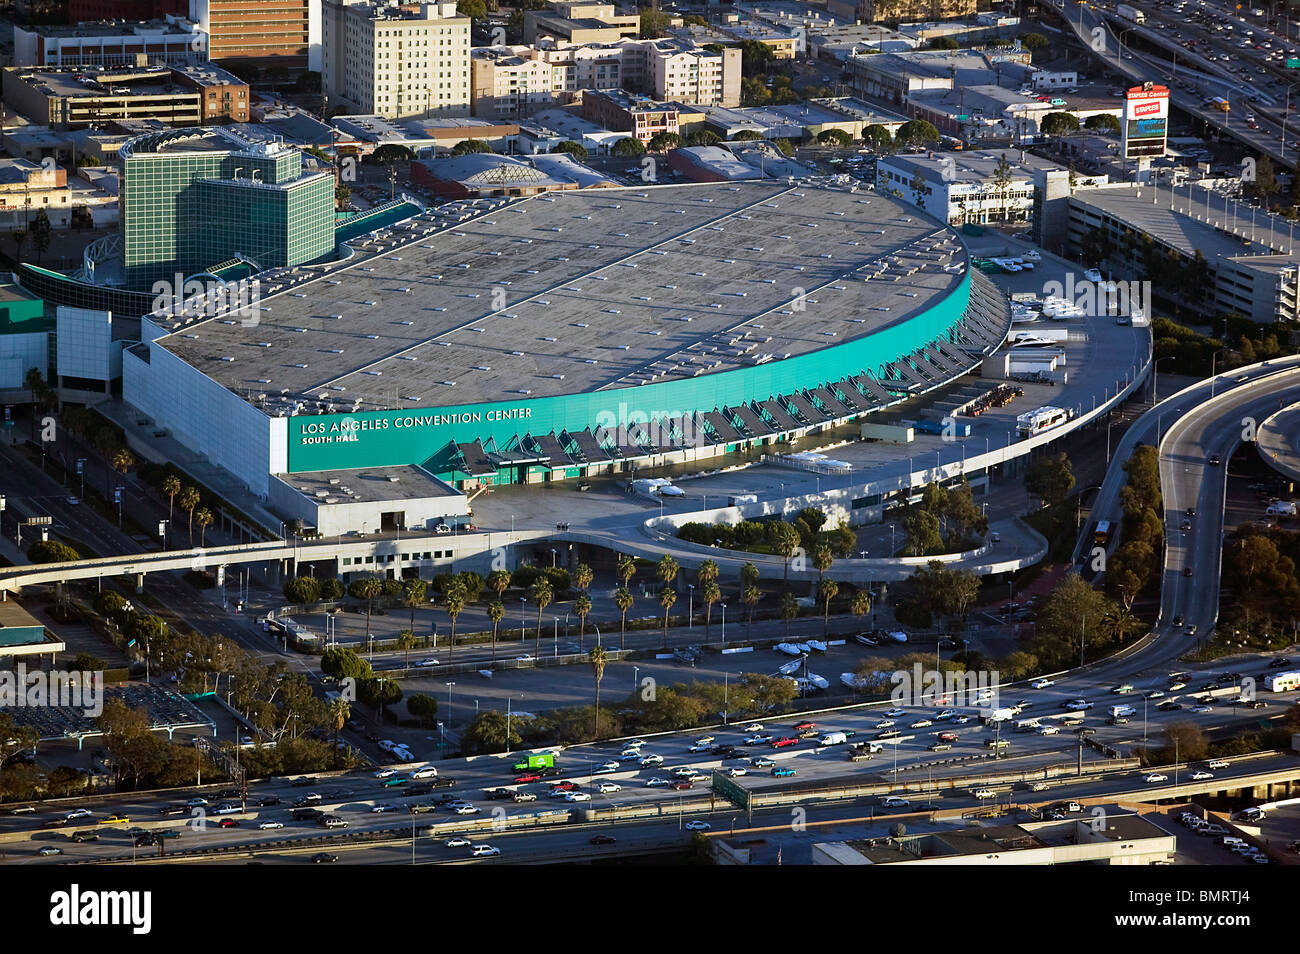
[396, 61]
[516, 81]
[961, 187]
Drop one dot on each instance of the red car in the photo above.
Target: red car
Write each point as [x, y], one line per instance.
[948, 736]
[603, 840]
[230, 823]
[564, 786]
[782, 743]
[682, 785]
[527, 778]
[805, 725]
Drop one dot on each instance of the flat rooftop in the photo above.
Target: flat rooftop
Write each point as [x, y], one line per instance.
[371, 485]
[576, 292]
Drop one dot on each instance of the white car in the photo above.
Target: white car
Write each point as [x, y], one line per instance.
[922, 724]
[698, 747]
[385, 773]
[895, 712]
[634, 744]
[983, 793]
[629, 755]
[736, 772]
[762, 762]
[577, 797]
[1201, 776]
[1175, 686]
[652, 782]
[380, 809]
[270, 825]
[1043, 683]
[427, 772]
[705, 740]
[1155, 694]
[1217, 764]
[885, 724]
[81, 813]
[607, 767]
[426, 663]
[754, 727]
[1076, 705]
[457, 842]
[1155, 777]
[895, 801]
[757, 739]
[465, 810]
[696, 825]
[1048, 730]
[484, 851]
[608, 787]
[1201, 709]
[649, 760]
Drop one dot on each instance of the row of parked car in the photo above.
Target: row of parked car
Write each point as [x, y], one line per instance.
[1237, 846]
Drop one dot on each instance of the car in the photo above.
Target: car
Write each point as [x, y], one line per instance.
[1200, 776]
[736, 771]
[1043, 683]
[682, 784]
[699, 747]
[566, 786]
[895, 712]
[172, 810]
[1218, 764]
[961, 720]
[49, 850]
[1185, 525]
[524, 797]
[785, 742]
[1155, 777]
[229, 823]
[947, 736]
[1177, 621]
[603, 840]
[1123, 689]
[1214, 460]
[649, 760]
[696, 825]
[426, 663]
[465, 810]
[527, 777]
[922, 724]
[944, 715]
[705, 740]
[1279, 664]
[885, 724]
[427, 772]
[762, 762]
[1048, 730]
[484, 851]
[381, 809]
[634, 744]
[270, 825]
[754, 727]
[267, 801]
[577, 797]
[983, 793]
[1188, 571]
[758, 739]
[1156, 694]
[656, 781]
[1077, 705]
[782, 772]
[895, 801]
[1175, 686]
[196, 802]
[324, 857]
[606, 788]
[1201, 709]
[78, 813]
[226, 808]
[1169, 706]
[805, 725]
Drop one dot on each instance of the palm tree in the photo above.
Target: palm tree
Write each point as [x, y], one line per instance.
[367, 589]
[623, 600]
[1121, 622]
[582, 606]
[414, 593]
[750, 596]
[707, 573]
[822, 560]
[171, 486]
[626, 569]
[455, 599]
[860, 604]
[496, 611]
[789, 609]
[122, 461]
[339, 713]
[710, 595]
[597, 658]
[542, 594]
[190, 500]
[826, 591]
[667, 569]
[667, 597]
[203, 517]
[406, 642]
[748, 575]
[785, 539]
[498, 582]
[582, 576]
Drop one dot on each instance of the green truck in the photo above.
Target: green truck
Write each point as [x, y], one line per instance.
[534, 762]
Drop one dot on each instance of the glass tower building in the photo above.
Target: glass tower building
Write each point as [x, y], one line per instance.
[194, 198]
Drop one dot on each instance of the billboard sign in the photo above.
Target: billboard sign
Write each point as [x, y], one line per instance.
[1146, 121]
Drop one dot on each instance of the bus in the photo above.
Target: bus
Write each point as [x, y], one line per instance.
[1042, 419]
[1101, 535]
[1219, 103]
[1284, 681]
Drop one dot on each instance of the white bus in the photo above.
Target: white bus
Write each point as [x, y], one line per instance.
[1284, 681]
[1042, 419]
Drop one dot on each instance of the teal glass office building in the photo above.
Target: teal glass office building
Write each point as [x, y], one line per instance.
[194, 198]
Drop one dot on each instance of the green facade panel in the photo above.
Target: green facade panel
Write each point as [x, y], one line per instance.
[392, 438]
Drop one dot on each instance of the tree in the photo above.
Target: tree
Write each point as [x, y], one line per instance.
[406, 642]
[339, 713]
[748, 135]
[367, 588]
[51, 551]
[597, 659]
[710, 593]
[703, 137]
[921, 529]
[822, 559]
[916, 132]
[542, 596]
[189, 500]
[667, 597]
[1102, 123]
[860, 604]
[667, 569]
[391, 152]
[1059, 124]
[827, 591]
[837, 137]
[415, 593]
[1050, 478]
[784, 146]
[663, 141]
[20, 239]
[626, 569]
[487, 731]
[468, 146]
[40, 231]
[344, 663]
[474, 9]
[203, 517]
[122, 461]
[496, 611]
[171, 486]
[581, 607]
[424, 708]
[878, 137]
[785, 540]
[1186, 742]
[454, 597]
[750, 596]
[1033, 42]
[942, 43]
[623, 600]
[1002, 178]
[575, 149]
[788, 610]
[629, 147]
[302, 590]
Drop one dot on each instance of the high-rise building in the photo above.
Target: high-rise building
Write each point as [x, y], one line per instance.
[396, 61]
[262, 33]
[195, 198]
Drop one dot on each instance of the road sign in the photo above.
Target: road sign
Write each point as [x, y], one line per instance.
[728, 789]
